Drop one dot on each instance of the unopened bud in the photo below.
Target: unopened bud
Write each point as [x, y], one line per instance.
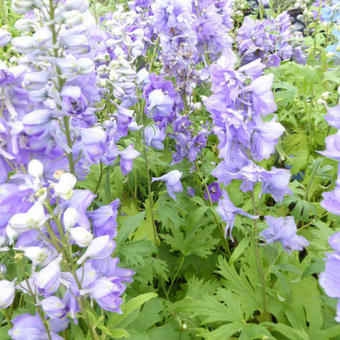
[35, 168]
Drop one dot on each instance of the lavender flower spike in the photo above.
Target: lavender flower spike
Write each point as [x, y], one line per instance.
[172, 181]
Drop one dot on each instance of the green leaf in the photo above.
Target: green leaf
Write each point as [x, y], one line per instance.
[4, 333]
[129, 225]
[239, 250]
[129, 307]
[287, 331]
[119, 333]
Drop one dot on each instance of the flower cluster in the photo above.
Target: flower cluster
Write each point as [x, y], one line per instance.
[269, 39]
[45, 220]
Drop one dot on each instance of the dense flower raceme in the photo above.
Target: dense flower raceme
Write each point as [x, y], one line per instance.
[43, 219]
[49, 99]
[269, 39]
[241, 98]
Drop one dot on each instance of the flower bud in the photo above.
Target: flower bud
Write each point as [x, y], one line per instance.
[77, 44]
[26, 25]
[48, 279]
[7, 289]
[25, 44]
[34, 81]
[3, 269]
[22, 6]
[64, 188]
[81, 236]
[70, 218]
[11, 234]
[100, 248]
[37, 255]
[35, 168]
[80, 5]
[34, 218]
[54, 307]
[43, 38]
[5, 37]
[85, 66]
[72, 18]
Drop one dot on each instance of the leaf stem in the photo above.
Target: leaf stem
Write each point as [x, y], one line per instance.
[175, 276]
[100, 178]
[258, 260]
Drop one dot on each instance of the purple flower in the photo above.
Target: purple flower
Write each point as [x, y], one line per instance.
[93, 142]
[264, 138]
[160, 103]
[26, 326]
[283, 230]
[126, 158]
[331, 200]
[275, 182]
[228, 212]
[172, 181]
[332, 147]
[7, 289]
[154, 137]
[100, 248]
[54, 307]
[104, 219]
[262, 96]
[215, 192]
[330, 278]
[333, 116]
[107, 294]
[48, 279]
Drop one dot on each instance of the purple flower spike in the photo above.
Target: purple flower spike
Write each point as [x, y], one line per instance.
[283, 230]
[228, 212]
[126, 158]
[172, 181]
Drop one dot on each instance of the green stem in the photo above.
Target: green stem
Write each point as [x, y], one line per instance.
[261, 9]
[4, 11]
[7, 315]
[258, 260]
[153, 55]
[150, 194]
[100, 178]
[146, 159]
[220, 227]
[311, 180]
[69, 142]
[67, 253]
[60, 85]
[316, 25]
[175, 277]
[39, 310]
[95, 11]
